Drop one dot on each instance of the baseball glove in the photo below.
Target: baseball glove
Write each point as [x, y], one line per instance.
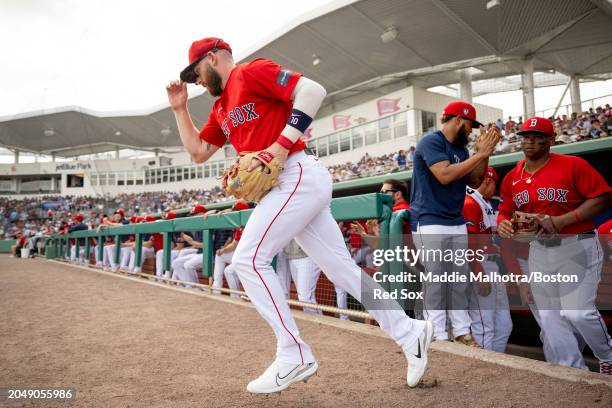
[528, 226]
[252, 185]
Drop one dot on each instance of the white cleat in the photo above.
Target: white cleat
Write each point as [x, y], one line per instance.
[416, 354]
[281, 375]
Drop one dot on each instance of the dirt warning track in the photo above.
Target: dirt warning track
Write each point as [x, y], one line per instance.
[122, 343]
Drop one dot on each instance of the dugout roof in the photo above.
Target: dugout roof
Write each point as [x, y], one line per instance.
[435, 39]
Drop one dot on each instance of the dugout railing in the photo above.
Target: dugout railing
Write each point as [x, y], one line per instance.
[362, 207]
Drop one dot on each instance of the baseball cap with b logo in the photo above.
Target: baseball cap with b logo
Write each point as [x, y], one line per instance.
[463, 110]
[198, 51]
[537, 124]
[490, 174]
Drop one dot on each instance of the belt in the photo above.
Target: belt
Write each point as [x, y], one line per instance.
[555, 242]
[307, 151]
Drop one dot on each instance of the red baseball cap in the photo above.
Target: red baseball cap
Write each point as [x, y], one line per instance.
[132, 219]
[240, 205]
[170, 215]
[139, 219]
[199, 208]
[537, 124]
[198, 50]
[78, 217]
[491, 174]
[120, 211]
[149, 218]
[463, 110]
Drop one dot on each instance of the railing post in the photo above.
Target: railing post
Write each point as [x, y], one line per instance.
[77, 249]
[87, 250]
[167, 251]
[138, 251]
[207, 253]
[396, 239]
[101, 248]
[67, 253]
[385, 224]
[117, 253]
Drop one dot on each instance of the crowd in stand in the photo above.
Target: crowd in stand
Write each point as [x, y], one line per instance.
[44, 215]
[591, 124]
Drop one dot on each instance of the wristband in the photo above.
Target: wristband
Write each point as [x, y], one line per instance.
[285, 142]
[299, 120]
[265, 156]
[576, 215]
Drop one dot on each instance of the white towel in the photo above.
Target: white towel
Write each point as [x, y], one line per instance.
[488, 214]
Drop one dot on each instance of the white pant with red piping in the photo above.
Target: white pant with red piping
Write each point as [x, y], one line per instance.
[299, 208]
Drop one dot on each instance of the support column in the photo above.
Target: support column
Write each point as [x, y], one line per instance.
[53, 157]
[156, 152]
[16, 156]
[465, 85]
[575, 94]
[116, 152]
[528, 89]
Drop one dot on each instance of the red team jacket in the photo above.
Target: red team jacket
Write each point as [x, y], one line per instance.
[253, 108]
[562, 185]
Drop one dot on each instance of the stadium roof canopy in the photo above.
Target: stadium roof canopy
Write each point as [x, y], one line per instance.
[430, 41]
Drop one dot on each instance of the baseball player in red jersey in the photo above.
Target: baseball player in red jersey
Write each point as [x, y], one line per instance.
[262, 105]
[489, 308]
[571, 192]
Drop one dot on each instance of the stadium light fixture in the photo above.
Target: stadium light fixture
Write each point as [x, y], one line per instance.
[166, 132]
[389, 34]
[49, 132]
[315, 60]
[492, 3]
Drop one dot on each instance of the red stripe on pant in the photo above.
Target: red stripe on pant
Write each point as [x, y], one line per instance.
[258, 274]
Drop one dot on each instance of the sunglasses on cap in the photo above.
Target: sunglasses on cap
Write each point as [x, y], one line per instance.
[388, 191]
[189, 74]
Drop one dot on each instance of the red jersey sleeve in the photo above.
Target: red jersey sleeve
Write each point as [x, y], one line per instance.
[472, 214]
[237, 234]
[506, 207]
[270, 80]
[211, 131]
[587, 181]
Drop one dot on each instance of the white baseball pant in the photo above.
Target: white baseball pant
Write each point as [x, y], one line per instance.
[73, 256]
[284, 274]
[97, 255]
[453, 296]
[221, 262]
[144, 254]
[305, 273]
[575, 301]
[491, 322]
[559, 330]
[109, 256]
[178, 265]
[300, 208]
[232, 280]
[159, 260]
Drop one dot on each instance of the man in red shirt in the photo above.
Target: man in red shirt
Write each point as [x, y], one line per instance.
[572, 193]
[264, 106]
[489, 308]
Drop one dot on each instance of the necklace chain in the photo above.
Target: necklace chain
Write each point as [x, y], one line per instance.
[532, 176]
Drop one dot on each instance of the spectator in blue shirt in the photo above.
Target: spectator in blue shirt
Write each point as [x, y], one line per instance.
[400, 158]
